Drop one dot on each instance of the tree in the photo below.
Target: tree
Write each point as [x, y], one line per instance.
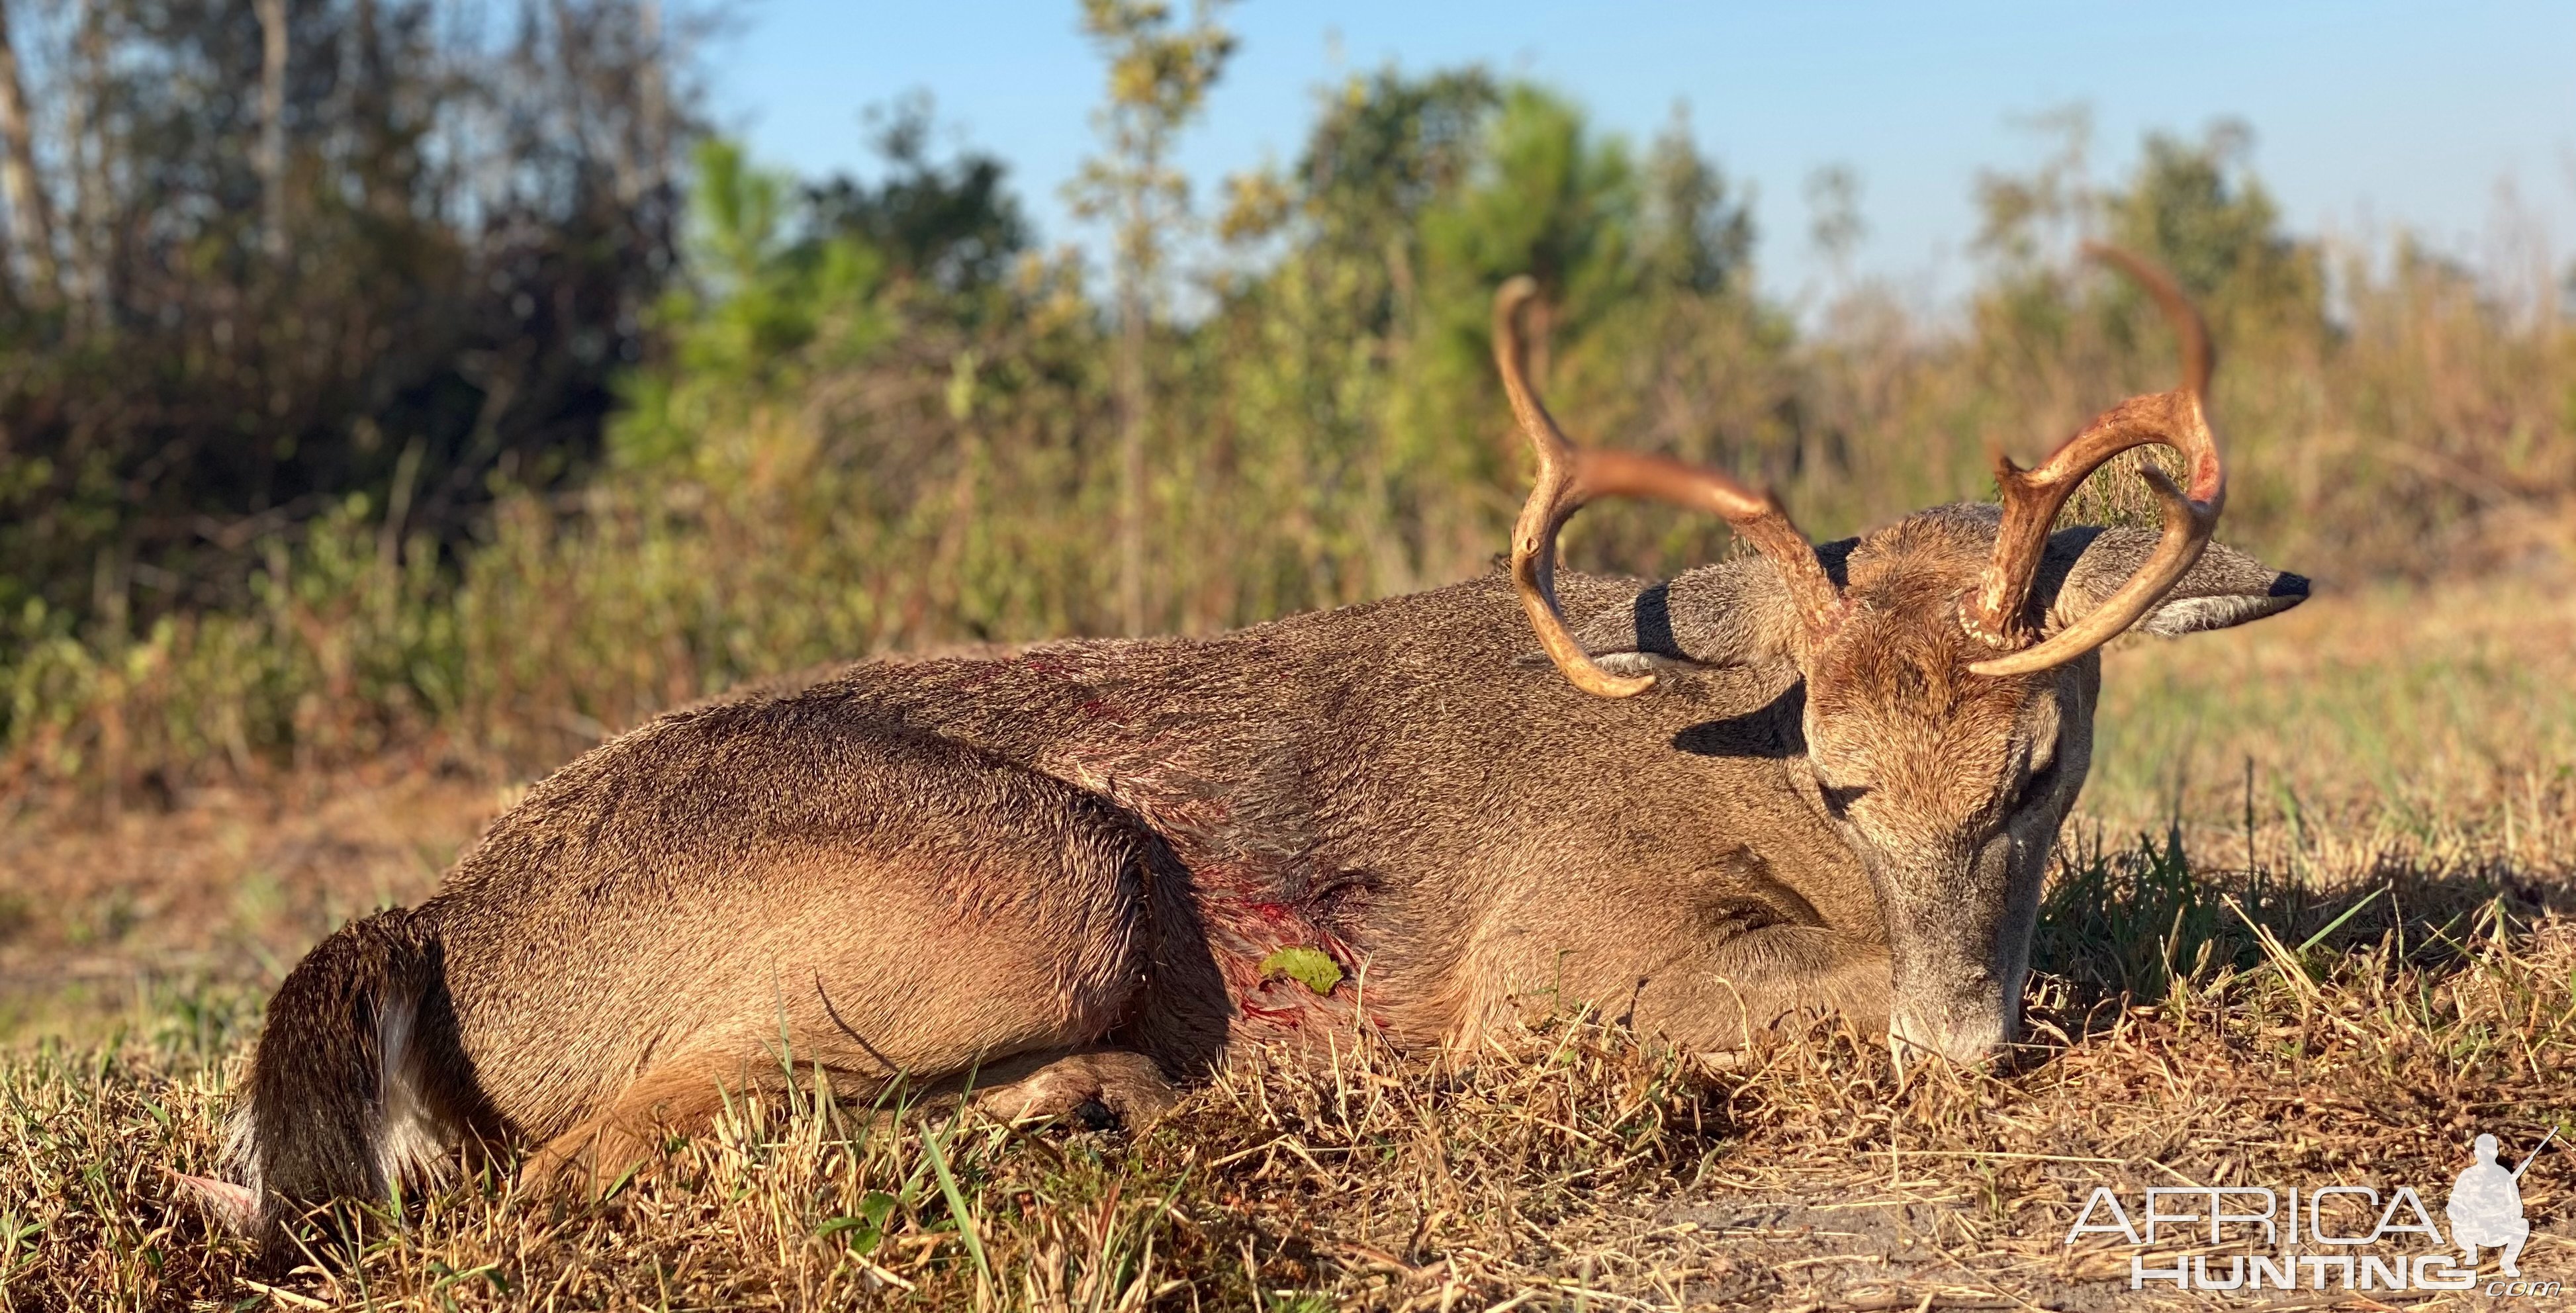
[1550, 198]
[1385, 149]
[273, 47]
[311, 248]
[2074, 339]
[1834, 225]
[30, 214]
[952, 225]
[1696, 236]
[1159, 76]
[2198, 209]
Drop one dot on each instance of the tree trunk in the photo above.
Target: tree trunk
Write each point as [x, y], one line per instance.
[85, 143]
[653, 97]
[1139, 260]
[29, 213]
[272, 126]
[1132, 420]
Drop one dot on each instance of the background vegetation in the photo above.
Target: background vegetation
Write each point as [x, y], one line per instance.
[369, 382]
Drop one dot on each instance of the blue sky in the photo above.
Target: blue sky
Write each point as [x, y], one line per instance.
[2367, 116]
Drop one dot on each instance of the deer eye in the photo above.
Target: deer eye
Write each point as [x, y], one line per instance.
[2038, 786]
[1838, 801]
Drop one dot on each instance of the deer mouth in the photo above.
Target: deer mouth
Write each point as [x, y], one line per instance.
[1916, 1036]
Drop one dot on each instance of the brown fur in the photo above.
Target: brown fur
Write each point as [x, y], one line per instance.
[1061, 869]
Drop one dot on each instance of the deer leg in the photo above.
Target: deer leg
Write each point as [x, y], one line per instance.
[1764, 978]
[1016, 978]
[965, 919]
[1093, 1089]
[1716, 990]
[678, 1098]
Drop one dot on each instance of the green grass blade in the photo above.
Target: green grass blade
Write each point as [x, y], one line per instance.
[2337, 924]
[956, 1203]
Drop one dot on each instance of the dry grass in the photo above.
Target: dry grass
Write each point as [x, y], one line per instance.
[2208, 1014]
[2388, 716]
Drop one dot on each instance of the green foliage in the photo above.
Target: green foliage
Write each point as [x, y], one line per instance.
[863, 1229]
[1159, 76]
[955, 223]
[1547, 199]
[767, 299]
[1383, 149]
[2195, 208]
[862, 428]
[1637, 266]
[2200, 211]
[426, 297]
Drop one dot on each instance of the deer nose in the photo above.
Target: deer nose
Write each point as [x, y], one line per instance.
[1914, 1037]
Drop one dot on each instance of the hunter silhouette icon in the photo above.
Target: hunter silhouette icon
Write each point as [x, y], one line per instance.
[2486, 1206]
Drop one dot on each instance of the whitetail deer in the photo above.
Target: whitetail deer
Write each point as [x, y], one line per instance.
[1062, 869]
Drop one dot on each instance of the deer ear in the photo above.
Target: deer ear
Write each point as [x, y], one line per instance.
[1732, 613]
[2224, 589]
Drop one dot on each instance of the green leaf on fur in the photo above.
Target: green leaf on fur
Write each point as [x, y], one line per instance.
[1307, 966]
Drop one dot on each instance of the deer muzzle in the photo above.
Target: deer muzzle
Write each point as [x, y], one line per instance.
[1967, 1029]
[1959, 928]
[1959, 963]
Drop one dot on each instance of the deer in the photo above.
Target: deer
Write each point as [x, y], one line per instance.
[1805, 780]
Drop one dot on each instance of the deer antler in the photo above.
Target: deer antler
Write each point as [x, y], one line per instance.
[2032, 498]
[1569, 476]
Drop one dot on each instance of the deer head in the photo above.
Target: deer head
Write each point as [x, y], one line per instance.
[1949, 660]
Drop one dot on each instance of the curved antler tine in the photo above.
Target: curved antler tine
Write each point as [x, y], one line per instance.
[2188, 523]
[1568, 477]
[1553, 498]
[2033, 497]
[2199, 361]
[1756, 516]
